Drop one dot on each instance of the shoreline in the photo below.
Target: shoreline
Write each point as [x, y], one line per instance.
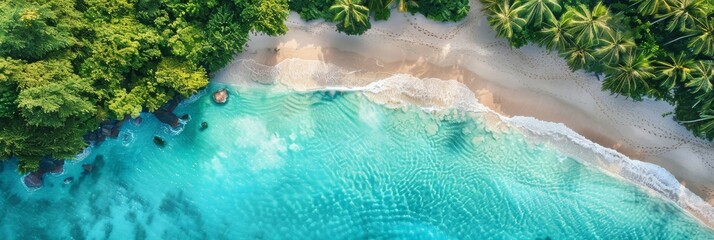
[512, 82]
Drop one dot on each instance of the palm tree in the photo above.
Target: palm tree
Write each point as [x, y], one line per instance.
[507, 18]
[674, 69]
[403, 5]
[651, 7]
[554, 36]
[702, 77]
[578, 55]
[682, 14]
[351, 17]
[587, 25]
[489, 4]
[614, 44]
[630, 76]
[703, 41]
[539, 11]
[380, 8]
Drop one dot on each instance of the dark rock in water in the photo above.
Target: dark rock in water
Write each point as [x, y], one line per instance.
[170, 106]
[68, 180]
[185, 117]
[58, 167]
[204, 125]
[220, 96]
[159, 141]
[137, 121]
[87, 168]
[33, 180]
[167, 117]
[115, 133]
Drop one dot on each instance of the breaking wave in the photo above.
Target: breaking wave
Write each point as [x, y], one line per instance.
[436, 95]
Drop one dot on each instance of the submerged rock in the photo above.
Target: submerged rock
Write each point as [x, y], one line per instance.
[58, 167]
[220, 96]
[33, 180]
[87, 168]
[137, 121]
[204, 125]
[159, 141]
[68, 180]
[167, 117]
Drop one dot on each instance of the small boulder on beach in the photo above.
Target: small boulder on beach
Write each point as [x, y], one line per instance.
[220, 96]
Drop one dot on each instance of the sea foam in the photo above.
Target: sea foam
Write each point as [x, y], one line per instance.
[437, 95]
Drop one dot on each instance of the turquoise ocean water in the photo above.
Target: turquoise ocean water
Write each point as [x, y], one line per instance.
[286, 165]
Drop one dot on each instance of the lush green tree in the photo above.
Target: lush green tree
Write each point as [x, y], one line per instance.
[31, 30]
[8, 86]
[311, 9]
[507, 18]
[180, 77]
[613, 45]
[266, 16]
[629, 77]
[702, 77]
[651, 7]
[702, 41]
[442, 10]
[379, 8]
[404, 5]
[351, 17]
[555, 36]
[52, 95]
[587, 25]
[578, 55]
[541, 11]
[682, 14]
[226, 36]
[674, 69]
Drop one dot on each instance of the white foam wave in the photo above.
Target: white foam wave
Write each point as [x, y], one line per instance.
[85, 152]
[437, 95]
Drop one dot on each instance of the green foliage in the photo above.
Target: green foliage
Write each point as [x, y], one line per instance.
[587, 25]
[267, 16]
[311, 9]
[379, 9]
[66, 65]
[629, 77]
[442, 10]
[31, 30]
[351, 17]
[647, 48]
[180, 76]
[507, 19]
[51, 95]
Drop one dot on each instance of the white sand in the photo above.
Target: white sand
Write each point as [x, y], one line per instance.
[513, 82]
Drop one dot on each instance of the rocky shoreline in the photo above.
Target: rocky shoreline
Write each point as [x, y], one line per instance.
[111, 129]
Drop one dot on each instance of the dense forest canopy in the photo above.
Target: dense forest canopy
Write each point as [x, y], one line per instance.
[68, 65]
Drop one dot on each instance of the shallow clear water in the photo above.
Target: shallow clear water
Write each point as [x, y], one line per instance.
[276, 165]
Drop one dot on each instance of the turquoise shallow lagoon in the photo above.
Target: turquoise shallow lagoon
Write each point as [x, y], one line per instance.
[285, 165]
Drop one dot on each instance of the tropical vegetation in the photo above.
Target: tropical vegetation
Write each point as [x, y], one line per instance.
[68, 65]
[659, 49]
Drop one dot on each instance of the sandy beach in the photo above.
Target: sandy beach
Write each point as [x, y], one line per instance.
[513, 82]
